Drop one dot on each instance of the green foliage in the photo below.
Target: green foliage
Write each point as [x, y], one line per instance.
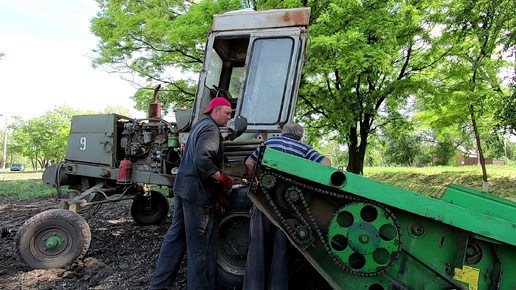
[510, 150]
[365, 58]
[403, 150]
[367, 62]
[425, 154]
[493, 145]
[445, 152]
[337, 154]
[401, 143]
[3, 135]
[116, 110]
[375, 152]
[467, 86]
[42, 139]
[505, 116]
[156, 41]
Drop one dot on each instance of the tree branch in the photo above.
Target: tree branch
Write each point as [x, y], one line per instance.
[195, 59]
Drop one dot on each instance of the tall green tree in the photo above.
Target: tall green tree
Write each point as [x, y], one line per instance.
[467, 84]
[510, 150]
[445, 151]
[403, 150]
[366, 59]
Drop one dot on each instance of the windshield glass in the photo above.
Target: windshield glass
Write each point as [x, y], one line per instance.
[266, 83]
[236, 81]
[214, 69]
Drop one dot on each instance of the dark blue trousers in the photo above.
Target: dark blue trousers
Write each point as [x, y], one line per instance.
[193, 231]
[268, 256]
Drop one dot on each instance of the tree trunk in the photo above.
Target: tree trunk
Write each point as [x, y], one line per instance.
[352, 150]
[485, 184]
[357, 148]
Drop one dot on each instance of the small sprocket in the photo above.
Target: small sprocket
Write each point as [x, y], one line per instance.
[268, 181]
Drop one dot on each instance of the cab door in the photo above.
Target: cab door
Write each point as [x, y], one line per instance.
[271, 78]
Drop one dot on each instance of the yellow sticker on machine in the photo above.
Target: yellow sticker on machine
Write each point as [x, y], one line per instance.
[468, 275]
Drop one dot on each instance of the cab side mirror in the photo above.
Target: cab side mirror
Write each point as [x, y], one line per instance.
[236, 127]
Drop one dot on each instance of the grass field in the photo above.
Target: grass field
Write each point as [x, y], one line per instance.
[24, 185]
[425, 180]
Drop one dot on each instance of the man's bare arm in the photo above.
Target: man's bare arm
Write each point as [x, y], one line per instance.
[249, 166]
[326, 161]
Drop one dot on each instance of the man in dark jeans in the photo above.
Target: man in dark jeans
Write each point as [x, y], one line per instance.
[268, 256]
[199, 192]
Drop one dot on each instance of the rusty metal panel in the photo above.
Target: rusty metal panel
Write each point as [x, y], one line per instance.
[261, 19]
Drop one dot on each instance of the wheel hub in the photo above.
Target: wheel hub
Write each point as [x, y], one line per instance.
[363, 238]
[53, 242]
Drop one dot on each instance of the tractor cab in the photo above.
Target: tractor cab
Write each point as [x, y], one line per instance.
[254, 59]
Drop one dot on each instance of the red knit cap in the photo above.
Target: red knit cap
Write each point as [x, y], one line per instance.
[217, 102]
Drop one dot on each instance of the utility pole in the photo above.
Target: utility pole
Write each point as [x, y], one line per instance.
[505, 149]
[5, 145]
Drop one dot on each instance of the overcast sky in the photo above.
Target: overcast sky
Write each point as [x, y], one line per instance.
[46, 64]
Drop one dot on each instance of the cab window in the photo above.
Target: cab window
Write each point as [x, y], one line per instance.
[267, 80]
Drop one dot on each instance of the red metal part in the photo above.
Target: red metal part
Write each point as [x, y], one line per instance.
[124, 172]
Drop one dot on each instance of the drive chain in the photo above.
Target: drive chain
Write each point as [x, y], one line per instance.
[312, 224]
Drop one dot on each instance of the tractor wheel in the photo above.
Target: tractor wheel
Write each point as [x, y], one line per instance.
[52, 239]
[232, 245]
[150, 210]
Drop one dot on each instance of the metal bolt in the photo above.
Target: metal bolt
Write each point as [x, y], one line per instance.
[364, 239]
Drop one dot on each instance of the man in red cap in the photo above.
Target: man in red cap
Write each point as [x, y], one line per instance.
[199, 192]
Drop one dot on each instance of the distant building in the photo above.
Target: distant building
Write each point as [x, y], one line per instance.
[466, 157]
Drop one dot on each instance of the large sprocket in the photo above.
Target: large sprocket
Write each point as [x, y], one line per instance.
[365, 237]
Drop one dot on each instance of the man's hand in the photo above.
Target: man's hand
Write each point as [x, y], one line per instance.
[222, 202]
[225, 182]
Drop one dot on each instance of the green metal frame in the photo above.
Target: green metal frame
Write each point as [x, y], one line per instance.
[461, 207]
[463, 240]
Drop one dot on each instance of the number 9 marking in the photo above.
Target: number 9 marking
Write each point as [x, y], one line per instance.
[82, 141]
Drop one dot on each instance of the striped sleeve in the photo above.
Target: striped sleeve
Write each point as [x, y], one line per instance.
[313, 155]
[290, 146]
[254, 155]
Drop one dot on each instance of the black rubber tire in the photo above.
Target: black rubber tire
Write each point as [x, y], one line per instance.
[62, 225]
[232, 245]
[150, 210]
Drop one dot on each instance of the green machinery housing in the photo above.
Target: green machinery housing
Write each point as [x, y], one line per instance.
[363, 234]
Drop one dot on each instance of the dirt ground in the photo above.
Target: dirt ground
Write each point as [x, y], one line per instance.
[122, 254]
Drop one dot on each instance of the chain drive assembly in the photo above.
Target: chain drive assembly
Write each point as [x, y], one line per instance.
[297, 196]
